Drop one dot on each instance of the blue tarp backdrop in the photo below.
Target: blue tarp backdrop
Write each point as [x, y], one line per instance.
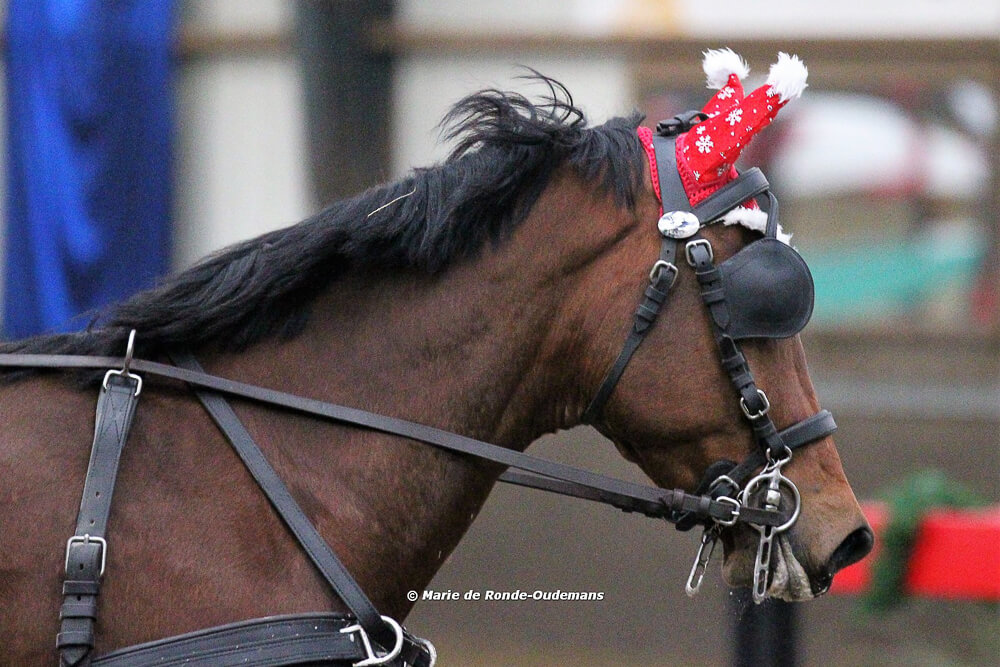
[88, 157]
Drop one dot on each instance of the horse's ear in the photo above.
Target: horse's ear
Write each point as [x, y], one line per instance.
[705, 154]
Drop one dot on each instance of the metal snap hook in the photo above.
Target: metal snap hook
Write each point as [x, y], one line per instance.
[129, 350]
[126, 365]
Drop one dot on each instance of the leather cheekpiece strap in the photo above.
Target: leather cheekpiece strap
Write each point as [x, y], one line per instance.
[672, 194]
[744, 187]
[654, 298]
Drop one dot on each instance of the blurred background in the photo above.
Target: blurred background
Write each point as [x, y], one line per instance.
[141, 135]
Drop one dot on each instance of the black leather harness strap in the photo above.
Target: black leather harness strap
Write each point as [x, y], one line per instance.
[661, 279]
[797, 435]
[87, 549]
[309, 638]
[752, 400]
[744, 187]
[343, 584]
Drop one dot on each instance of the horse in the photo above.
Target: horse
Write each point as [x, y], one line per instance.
[486, 295]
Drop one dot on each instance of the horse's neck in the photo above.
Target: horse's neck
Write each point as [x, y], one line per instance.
[477, 350]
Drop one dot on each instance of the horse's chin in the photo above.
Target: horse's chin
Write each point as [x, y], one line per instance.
[789, 580]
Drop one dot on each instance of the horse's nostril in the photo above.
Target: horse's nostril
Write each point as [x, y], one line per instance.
[854, 547]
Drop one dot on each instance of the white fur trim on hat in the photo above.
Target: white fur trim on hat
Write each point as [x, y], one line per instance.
[719, 64]
[787, 77]
[753, 219]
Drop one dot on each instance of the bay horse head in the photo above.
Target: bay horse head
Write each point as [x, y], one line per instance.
[690, 403]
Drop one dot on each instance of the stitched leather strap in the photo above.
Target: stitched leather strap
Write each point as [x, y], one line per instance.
[746, 186]
[733, 360]
[817, 427]
[277, 640]
[343, 584]
[799, 434]
[86, 551]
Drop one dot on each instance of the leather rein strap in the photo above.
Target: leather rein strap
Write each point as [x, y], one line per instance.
[651, 501]
[87, 550]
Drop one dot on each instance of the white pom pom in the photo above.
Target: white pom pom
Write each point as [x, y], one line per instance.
[753, 219]
[787, 77]
[719, 64]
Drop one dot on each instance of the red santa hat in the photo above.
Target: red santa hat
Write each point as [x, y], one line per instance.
[706, 153]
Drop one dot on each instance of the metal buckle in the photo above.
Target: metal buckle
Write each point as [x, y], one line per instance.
[658, 269]
[124, 372]
[680, 123]
[763, 410]
[698, 242]
[87, 539]
[736, 511]
[373, 658]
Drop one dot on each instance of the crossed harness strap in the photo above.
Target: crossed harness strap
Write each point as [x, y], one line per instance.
[330, 637]
[383, 630]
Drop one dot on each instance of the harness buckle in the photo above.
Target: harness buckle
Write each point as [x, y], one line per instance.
[657, 271]
[735, 516]
[87, 539]
[703, 243]
[372, 657]
[124, 372]
[680, 123]
[719, 481]
[763, 411]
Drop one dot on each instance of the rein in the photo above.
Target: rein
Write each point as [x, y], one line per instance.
[537, 473]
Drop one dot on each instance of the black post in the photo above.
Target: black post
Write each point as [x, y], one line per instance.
[764, 634]
[348, 94]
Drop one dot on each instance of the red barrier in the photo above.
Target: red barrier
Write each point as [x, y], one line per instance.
[956, 555]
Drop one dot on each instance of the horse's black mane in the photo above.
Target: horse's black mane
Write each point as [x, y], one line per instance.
[507, 149]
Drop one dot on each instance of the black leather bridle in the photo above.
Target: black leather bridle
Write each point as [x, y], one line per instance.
[723, 480]
[727, 496]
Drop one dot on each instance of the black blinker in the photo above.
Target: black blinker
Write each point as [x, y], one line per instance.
[769, 291]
